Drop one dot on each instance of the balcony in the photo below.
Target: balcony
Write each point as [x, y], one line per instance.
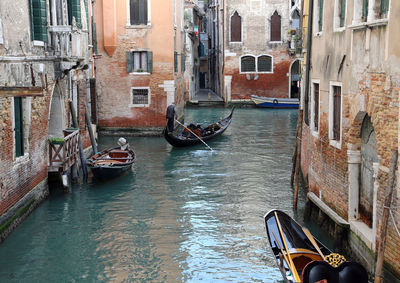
[66, 43]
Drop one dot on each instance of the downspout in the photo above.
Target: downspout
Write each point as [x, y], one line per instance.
[308, 58]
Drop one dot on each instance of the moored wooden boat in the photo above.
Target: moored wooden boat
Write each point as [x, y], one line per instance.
[111, 163]
[275, 102]
[302, 258]
[187, 138]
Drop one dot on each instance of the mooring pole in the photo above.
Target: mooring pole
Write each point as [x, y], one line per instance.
[89, 126]
[385, 216]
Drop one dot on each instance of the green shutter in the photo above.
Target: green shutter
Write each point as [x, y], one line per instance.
[365, 10]
[342, 12]
[87, 15]
[321, 12]
[149, 61]
[384, 7]
[38, 20]
[183, 59]
[74, 10]
[129, 62]
[94, 37]
[19, 127]
[175, 61]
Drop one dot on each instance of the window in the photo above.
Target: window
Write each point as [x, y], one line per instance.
[175, 62]
[252, 64]
[139, 61]
[140, 97]
[335, 113]
[275, 27]
[247, 64]
[264, 63]
[340, 14]
[18, 127]
[183, 62]
[38, 20]
[315, 106]
[236, 28]
[138, 12]
[74, 11]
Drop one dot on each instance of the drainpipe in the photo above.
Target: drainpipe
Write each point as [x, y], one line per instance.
[308, 58]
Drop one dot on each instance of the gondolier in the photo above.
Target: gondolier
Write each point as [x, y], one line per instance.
[171, 115]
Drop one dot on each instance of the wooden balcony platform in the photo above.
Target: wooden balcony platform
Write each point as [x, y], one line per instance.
[63, 155]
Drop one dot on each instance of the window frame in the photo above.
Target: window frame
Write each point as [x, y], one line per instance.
[26, 122]
[373, 14]
[315, 131]
[128, 16]
[132, 105]
[256, 64]
[332, 141]
[230, 28]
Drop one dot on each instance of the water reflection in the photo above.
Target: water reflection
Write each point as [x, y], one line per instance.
[181, 215]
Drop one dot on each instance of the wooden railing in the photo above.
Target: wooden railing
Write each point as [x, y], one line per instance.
[63, 156]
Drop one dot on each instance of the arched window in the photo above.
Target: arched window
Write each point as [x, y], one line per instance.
[264, 63]
[248, 64]
[236, 28]
[275, 27]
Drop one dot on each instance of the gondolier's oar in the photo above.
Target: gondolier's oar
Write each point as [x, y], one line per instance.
[193, 134]
[313, 242]
[294, 271]
[284, 256]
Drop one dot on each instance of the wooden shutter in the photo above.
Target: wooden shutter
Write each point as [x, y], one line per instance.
[19, 127]
[384, 8]
[87, 16]
[336, 112]
[74, 10]
[183, 59]
[342, 12]
[275, 27]
[321, 12]
[129, 62]
[149, 61]
[94, 37]
[38, 20]
[175, 61]
[236, 28]
[316, 106]
[364, 10]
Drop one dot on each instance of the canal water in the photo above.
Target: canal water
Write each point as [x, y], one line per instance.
[180, 215]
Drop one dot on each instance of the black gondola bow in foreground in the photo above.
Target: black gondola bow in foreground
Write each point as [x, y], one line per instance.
[300, 260]
[179, 140]
[111, 163]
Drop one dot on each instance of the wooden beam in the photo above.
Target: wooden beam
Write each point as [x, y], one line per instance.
[20, 91]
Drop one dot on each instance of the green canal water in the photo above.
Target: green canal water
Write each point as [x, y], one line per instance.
[180, 215]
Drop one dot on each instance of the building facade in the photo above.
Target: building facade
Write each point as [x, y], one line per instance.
[45, 66]
[139, 63]
[351, 120]
[258, 44]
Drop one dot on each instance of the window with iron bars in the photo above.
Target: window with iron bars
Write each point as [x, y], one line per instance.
[140, 96]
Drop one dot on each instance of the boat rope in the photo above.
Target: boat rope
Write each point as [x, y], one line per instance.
[193, 134]
[394, 221]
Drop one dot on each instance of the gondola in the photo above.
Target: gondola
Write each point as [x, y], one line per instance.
[111, 163]
[190, 135]
[302, 258]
